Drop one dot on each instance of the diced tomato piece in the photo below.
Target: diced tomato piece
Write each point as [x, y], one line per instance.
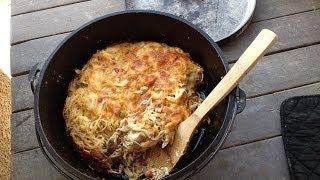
[117, 70]
[149, 174]
[150, 80]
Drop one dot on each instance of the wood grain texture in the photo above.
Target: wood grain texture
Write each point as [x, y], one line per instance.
[241, 130]
[261, 117]
[275, 72]
[23, 131]
[242, 162]
[33, 165]
[265, 108]
[25, 55]
[267, 9]
[24, 6]
[259, 120]
[293, 31]
[22, 94]
[283, 71]
[246, 62]
[260, 160]
[60, 19]
[256, 50]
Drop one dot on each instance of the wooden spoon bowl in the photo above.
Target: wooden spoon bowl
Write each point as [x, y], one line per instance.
[167, 158]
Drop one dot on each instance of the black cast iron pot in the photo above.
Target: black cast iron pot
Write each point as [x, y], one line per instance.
[50, 84]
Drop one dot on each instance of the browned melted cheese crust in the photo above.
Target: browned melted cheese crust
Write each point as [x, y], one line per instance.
[128, 98]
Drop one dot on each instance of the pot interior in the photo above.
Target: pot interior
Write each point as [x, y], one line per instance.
[128, 27]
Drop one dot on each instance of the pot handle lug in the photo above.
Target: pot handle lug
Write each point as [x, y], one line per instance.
[33, 75]
[241, 100]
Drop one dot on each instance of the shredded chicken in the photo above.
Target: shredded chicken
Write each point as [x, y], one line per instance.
[128, 98]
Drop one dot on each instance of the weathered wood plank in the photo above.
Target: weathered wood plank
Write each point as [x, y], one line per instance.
[23, 131]
[259, 160]
[25, 55]
[261, 117]
[283, 70]
[266, 9]
[22, 94]
[275, 72]
[264, 108]
[242, 162]
[259, 120]
[33, 165]
[24, 6]
[60, 19]
[259, 109]
[293, 31]
[205, 13]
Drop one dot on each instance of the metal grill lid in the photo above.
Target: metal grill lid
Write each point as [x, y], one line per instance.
[221, 19]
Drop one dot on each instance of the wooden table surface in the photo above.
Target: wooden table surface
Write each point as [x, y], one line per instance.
[254, 148]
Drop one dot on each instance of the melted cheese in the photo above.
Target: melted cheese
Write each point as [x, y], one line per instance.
[128, 98]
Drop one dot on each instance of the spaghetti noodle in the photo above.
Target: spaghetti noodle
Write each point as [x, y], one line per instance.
[128, 98]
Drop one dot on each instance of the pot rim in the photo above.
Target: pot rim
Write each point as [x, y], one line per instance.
[185, 172]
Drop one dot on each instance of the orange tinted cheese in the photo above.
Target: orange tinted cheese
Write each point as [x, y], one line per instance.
[147, 86]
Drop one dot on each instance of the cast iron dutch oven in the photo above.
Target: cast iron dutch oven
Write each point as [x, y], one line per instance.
[50, 84]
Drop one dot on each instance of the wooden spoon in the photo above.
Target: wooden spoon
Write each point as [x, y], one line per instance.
[169, 156]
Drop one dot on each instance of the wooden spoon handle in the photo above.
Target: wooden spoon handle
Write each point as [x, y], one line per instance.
[247, 60]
